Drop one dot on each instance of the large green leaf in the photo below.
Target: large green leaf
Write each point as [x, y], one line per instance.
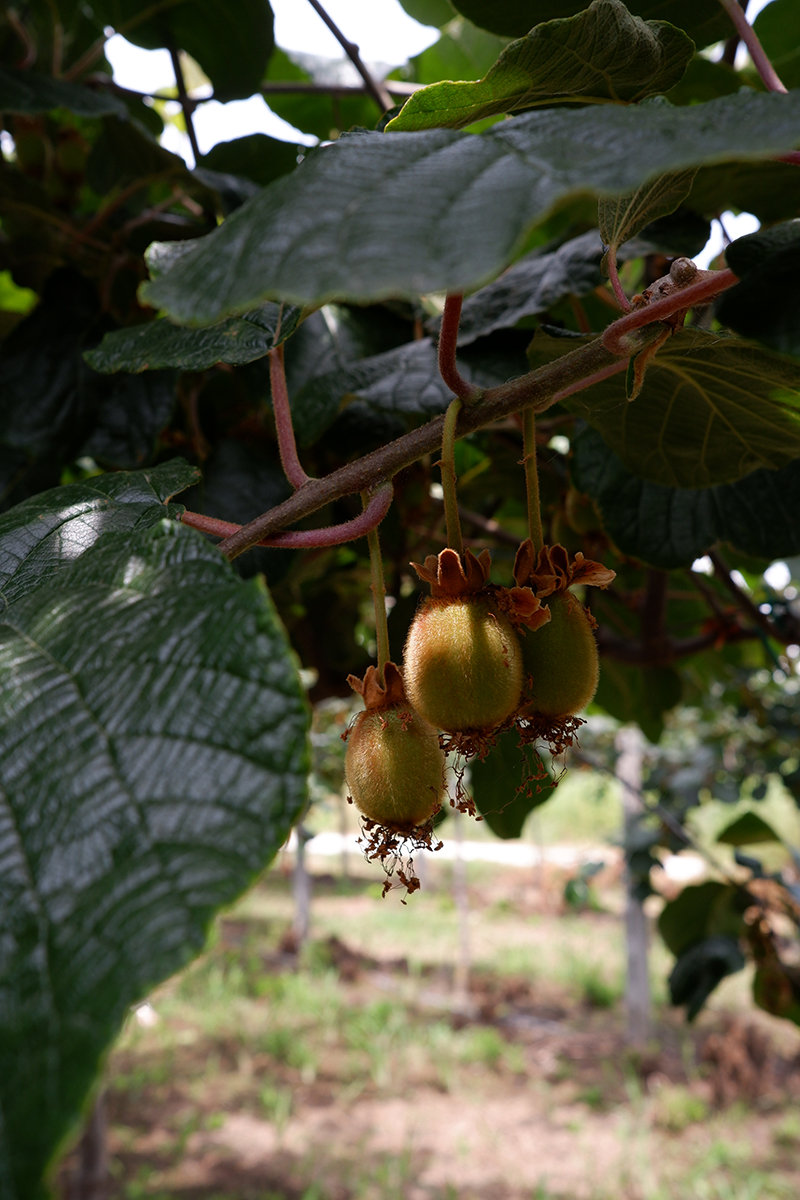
[319, 113]
[770, 190]
[54, 404]
[153, 759]
[462, 52]
[43, 534]
[504, 792]
[603, 54]
[230, 39]
[701, 968]
[748, 830]
[162, 344]
[429, 12]
[703, 20]
[33, 92]
[540, 279]
[671, 527]
[704, 80]
[640, 694]
[702, 910]
[375, 215]
[711, 410]
[778, 29]
[766, 304]
[404, 382]
[254, 156]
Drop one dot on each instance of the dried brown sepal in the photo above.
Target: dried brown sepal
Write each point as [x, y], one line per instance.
[377, 695]
[468, 744]
[394, 849]
[451, 576]
[522, 607]
[552, 571]
[558, 733]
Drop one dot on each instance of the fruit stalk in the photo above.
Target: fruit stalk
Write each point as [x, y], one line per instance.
[378, 595]
[532, 479]
[449, 478]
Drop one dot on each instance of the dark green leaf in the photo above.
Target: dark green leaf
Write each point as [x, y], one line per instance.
[232, 42]
[532, 285]
[749, 829]
[429, 12]
[405, 381]
[601, 54]
[33, 92]
[54, 403]
[154, 756]
[778, 29]
[770, 190]
[700, 969]
[622, 217]
[700, 911]
[381, 215]
[703, 20]
[56, 527]
[506, 787]
[317, 113]
[640, 694]
[711, 410]
[125, 152]
[766, 304]
[671, 527]
[704, 80]
[255, 156]
[462, 52]
[162, 344]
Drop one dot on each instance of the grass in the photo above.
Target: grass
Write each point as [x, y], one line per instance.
[361, 1077]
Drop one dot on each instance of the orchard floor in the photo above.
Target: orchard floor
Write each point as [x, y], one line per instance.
[359, 1070]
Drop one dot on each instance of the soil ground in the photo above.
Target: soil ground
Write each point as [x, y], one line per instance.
[361, 1068]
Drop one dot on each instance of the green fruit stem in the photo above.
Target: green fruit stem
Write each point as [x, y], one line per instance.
[532, 478]
[449, 480]
[378, 596]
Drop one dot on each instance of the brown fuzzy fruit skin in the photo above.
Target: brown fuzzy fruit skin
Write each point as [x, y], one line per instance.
[560, 660]
[463, 664]
[394, 768]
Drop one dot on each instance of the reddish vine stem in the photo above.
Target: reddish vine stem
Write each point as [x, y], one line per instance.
[305, 539]
[613, 275]
[616, 339]
[537, 390]
[749, 36]
[448, 343]
[287, 446]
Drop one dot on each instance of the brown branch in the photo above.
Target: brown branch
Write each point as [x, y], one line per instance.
[743, 601]
[616, 337]
[24, 35]
[637, 654]
[448, 344]
[654, 612]
[376, 90]
[536, 390]
[306, 539]
[186, 104]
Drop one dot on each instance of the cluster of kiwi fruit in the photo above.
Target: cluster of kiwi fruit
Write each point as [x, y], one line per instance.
[478, 659]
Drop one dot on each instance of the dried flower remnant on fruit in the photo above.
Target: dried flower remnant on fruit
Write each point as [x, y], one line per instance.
[560, 661]
[462, 661]
[394, 769]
